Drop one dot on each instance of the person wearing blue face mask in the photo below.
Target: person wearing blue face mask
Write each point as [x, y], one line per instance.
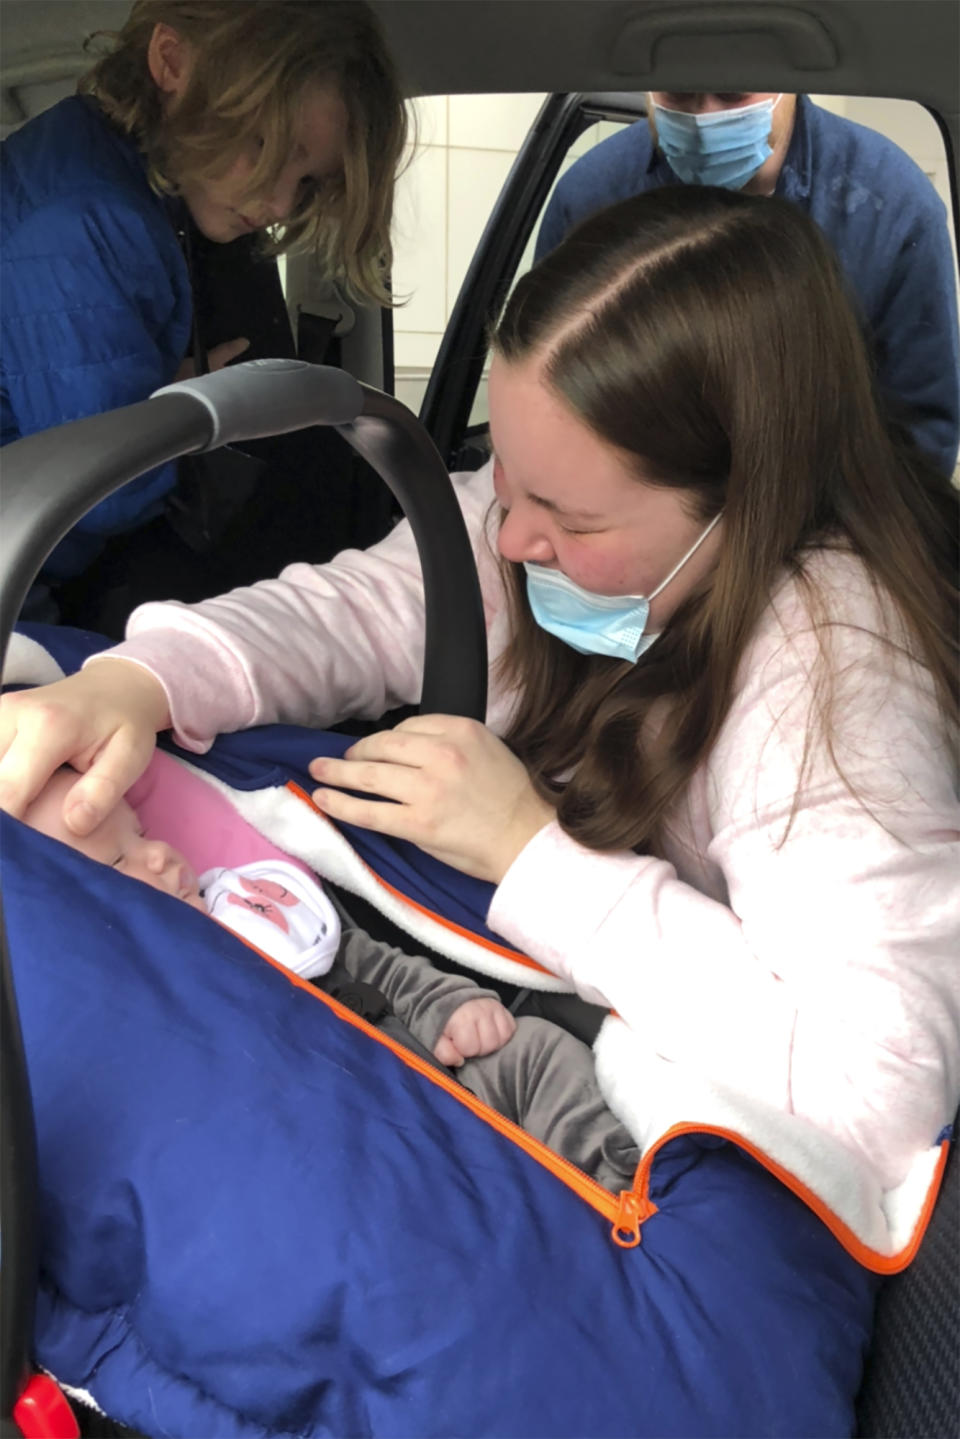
[593, 624]
[877, 208]
[726, 145]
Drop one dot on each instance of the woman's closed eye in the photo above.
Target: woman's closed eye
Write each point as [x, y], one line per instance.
[568, 531]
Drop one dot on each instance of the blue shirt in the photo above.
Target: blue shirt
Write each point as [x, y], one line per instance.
[885, 221]
[96, 306]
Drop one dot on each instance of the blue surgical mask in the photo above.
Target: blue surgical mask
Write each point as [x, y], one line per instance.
[723, 147]
[592, 624]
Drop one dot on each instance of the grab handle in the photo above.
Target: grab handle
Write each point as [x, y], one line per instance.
[806, 42]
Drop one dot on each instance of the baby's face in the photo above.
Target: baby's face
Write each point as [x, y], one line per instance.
[118, 841]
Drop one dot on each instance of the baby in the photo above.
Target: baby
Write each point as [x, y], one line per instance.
[527, 1069]
[274, 905]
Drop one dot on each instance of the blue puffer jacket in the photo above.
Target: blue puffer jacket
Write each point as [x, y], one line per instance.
[96, 306]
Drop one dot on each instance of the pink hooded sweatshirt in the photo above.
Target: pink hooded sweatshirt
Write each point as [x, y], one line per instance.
[815, 971]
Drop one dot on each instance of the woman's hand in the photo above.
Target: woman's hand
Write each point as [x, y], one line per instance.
[102, 721]
[460, 794]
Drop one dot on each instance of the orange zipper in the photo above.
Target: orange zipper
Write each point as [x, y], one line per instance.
[855, 1247]
[628, 1210]
[449, 924]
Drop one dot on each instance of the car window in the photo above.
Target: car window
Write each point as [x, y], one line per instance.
[468, 146]
[601, 130]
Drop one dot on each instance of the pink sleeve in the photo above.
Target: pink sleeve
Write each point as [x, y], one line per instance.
[829, 984]
[317, 644]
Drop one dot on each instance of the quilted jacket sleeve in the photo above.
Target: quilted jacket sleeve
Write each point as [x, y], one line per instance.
[96, 315]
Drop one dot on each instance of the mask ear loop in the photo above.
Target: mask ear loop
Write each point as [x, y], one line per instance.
[691, 551]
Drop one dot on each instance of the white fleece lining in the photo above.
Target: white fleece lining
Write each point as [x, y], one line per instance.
[647, 1094]
[284, 819]
[650, 1095]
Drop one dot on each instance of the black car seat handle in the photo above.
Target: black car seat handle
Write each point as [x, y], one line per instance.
[51, 479]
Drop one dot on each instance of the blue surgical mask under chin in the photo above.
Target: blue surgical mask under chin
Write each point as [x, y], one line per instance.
[722, 147]
[592, 624]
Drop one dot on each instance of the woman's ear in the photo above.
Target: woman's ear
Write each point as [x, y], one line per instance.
[168, 59]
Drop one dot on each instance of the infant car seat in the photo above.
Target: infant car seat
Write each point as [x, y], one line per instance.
[455, 672]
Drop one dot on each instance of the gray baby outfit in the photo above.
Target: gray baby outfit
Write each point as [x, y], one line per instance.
[542, 1078]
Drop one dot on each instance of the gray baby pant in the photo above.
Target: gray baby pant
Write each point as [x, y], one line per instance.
[543, 1078]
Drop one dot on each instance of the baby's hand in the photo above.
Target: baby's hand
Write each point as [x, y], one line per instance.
[478, 1027]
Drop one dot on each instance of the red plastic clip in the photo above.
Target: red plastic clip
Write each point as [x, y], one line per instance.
[42, 1411]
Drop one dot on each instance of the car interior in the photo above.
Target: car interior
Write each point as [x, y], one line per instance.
[591, 63]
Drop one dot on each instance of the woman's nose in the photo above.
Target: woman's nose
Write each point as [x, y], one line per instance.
[522, 539]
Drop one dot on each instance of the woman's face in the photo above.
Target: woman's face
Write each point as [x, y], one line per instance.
[574, 503]
[223, 208]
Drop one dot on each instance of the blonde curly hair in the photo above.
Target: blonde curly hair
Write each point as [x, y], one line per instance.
[252, 62]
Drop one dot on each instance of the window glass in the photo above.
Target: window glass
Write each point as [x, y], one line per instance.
[468, 144]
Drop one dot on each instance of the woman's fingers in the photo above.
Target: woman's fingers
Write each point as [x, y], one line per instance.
[414, 748]
[102, 721]
[379, 815]
[45, 741]
[113, 770]
[459, 792]
[391, 781]
[34, 742]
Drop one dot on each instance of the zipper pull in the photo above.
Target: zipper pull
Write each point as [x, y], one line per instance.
[632, 1210]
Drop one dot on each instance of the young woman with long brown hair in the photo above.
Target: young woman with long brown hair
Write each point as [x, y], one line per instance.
[716, 787]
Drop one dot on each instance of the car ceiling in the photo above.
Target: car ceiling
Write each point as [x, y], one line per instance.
[896, 48]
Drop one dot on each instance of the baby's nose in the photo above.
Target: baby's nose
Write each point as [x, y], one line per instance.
[158, 856]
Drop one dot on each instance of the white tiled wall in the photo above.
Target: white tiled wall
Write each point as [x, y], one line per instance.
[466, 145]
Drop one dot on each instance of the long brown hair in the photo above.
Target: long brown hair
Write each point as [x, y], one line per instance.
[252, 60]
[707, 334]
